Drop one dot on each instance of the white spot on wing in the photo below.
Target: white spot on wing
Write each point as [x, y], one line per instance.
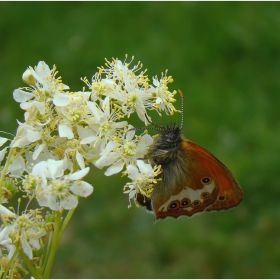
[189, 193]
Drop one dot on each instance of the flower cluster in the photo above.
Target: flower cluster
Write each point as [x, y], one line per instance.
[63, 132]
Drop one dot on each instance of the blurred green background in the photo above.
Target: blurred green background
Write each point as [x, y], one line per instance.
[225, 57]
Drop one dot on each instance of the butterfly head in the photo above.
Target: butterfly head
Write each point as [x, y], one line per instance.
[171, 133]
[170, 137]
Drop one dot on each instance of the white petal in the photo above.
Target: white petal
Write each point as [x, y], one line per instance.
[144, 167]
[12, 249]
[3, 153]
[94, 109]
[40, 233]
[23, 141]
[132, 172]
[26, 105]
[42, 198]
[6, 242]
[131, 194]
[5, 211]
[17, 166]
[42, 69]
[61, 99]
[155, 82]
[85, 94]
[69, 202]
[140, 110]
[33, 136]
[159, 100]
[52, 203]
[25, 126]
[85, 132]
[40, 106]
[130, 134]
[108, 82]
[114, 169]
[66, 87]
[49, 169]
[55, 168]
[106, 105]
[88, 140]
[25, 246]
[39, 168]
[109, 147]
[65, 131]
[21, 96]
[34, 243]
[3, 140]
[119, 124]
[106, 160]
[79, 174]
[124, 109]
[38, 149]
[82, 188]
[80, 160]
[146, 140]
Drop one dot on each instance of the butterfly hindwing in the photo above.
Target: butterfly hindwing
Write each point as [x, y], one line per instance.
[230, 193]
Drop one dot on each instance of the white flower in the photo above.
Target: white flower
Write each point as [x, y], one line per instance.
[72, 114]
[17, 167]
[103, 122]
[128, 88]
[28, 134]
[6, 241]
[29, 228]
[143, 179]
[164, 98]
[123, 151]
[45, 78]
[58, 191]
[43, 87]
[3, 140]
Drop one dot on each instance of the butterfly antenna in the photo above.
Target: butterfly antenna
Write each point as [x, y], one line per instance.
[156, 127]
[182, 108]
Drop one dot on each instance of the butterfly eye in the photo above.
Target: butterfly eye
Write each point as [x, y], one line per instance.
[196, 203]
[174, 205]
[206, 180]
[185, 202]
[222, 198]
[205, 195]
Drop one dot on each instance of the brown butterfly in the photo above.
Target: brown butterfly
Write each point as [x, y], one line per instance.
[193, 180]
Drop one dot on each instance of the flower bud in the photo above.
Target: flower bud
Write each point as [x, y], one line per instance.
[9, 189]
[28, 78]
[49, 222]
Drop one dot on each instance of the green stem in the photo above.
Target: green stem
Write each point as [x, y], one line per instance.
[7, 268]
[8, 161]
[66, 221]
[54, 245]
[29, 265]
[4, 171]
[47, 251]
[24, 150]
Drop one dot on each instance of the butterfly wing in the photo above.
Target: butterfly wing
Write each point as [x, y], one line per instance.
[230, 192]
[193, 182]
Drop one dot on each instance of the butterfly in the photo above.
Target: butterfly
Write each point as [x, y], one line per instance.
[192, 179]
